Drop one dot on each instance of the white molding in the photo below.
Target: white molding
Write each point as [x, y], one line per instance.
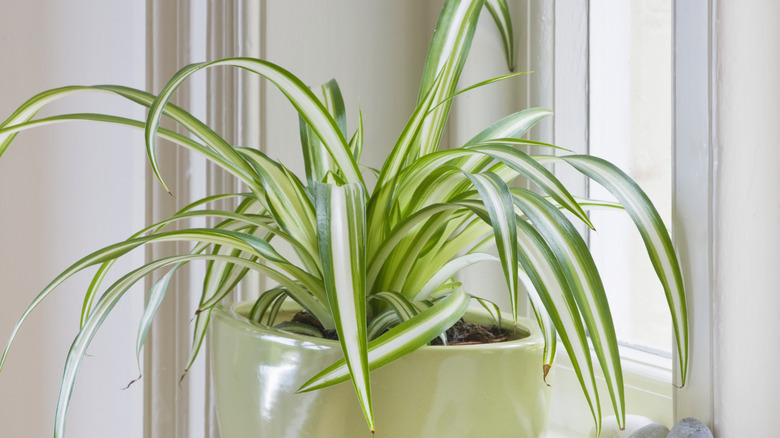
[173, 409]
[745, 65]
[693, 198]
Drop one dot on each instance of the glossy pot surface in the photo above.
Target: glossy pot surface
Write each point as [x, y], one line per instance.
[466, 391]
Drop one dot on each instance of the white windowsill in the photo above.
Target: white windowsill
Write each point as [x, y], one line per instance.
[648, 389]
[559, 432]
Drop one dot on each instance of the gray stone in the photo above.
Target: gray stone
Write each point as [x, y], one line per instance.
[654, 430]
[690, 428]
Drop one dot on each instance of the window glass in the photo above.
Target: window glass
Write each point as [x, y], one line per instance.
[630, 125]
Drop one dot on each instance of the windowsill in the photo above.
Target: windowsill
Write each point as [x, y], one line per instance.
[559, 432]
[647, 381]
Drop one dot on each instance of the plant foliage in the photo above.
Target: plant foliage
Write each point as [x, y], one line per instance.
[376, 264]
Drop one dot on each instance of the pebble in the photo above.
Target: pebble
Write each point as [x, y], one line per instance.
[690, 428]
[610, 429]
[653, 430]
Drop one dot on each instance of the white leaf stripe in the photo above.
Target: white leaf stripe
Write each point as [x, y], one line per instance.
[237, 218]
[163, 133]
[500, 12]
[341, 233]
[549, 281]
[383, 321]
[263, 302]
[513, 125]
[380, 205]
[542, 318]
[155, 298]
[245, 242]
[451, 268]
[452, 39]
[356, 143]
[400, 304]
[498, 200]
[582, 274]
[288, 203]
[524, 164]
[655, 235]
[104, 306]
[400, 232]
[296, 92]
[419, 188]
[475, 86]
[29, 109]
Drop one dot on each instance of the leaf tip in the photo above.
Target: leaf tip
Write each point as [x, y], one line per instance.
[545, 371]
[131, 382]
[184, 374]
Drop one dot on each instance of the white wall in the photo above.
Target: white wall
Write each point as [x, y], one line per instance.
[65, 191]
[728, 210]
[746, 218]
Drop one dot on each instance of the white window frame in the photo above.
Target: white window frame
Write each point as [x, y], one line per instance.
[647, 376]
[692, 206]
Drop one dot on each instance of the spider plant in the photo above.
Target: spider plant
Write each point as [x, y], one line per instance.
[376, 264]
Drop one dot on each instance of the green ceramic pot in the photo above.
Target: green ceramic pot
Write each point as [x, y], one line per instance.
[487, 390]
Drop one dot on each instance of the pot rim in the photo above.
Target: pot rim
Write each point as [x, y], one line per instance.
[232, 314]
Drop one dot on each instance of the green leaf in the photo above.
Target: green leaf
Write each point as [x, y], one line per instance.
[356, 143]
[289, 204]
[492, 309]
[399, 303]
[475, 86]
[498, 201]
[543, 319]
[103, 307]
[500, 12]
[299, 329]
[655, 236]
[446, 57]
[581, 273]
[523, 164]
[382, 322]
[400, 340]
[511, 126]
[299, 95]
[341, 228]
[263, 302]
[156, 296]
[450, 269]
[245, 242]
[317, 159]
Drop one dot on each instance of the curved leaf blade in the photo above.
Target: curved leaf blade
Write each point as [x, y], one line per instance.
[655, 236]
[400, 340]
[299, 95]
[341, 230]
[581, 273]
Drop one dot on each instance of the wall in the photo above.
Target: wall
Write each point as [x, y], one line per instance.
[66, 191]
[746, 216]
[727, 210]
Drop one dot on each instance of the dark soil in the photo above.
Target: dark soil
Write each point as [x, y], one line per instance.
[309, 319]
[462, 333]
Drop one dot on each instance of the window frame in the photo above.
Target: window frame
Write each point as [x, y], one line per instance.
[647, 376]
